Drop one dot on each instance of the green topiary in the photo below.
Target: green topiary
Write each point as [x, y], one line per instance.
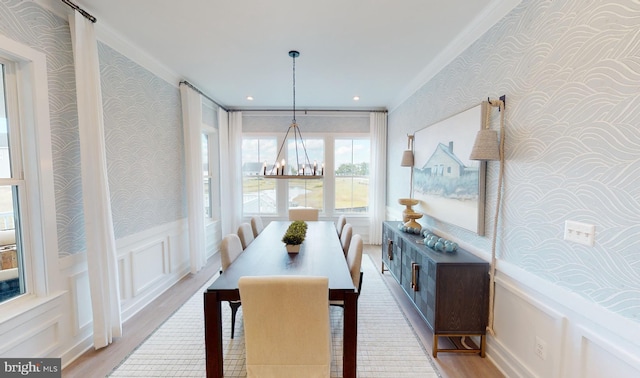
[296, 233]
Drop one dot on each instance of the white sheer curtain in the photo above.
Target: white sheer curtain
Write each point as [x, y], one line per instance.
[377, 175]
[231, 171]
[102, 258]
[192, 126]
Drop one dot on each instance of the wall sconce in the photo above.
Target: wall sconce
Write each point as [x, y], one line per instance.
[407, 155]
[487, 148]
[407, 160]
[409, 216]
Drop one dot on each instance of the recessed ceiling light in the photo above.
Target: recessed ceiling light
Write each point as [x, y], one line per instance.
[250, 98]
[356, 98]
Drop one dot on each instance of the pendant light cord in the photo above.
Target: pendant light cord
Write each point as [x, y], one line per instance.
[294, 88]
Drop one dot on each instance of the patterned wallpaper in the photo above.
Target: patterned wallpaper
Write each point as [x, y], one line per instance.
[571, 72]
[143, 127]
[28, 23]
[145, 145]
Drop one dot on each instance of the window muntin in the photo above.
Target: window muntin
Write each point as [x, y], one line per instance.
[258, 193]
[352, 158]
[302, 192]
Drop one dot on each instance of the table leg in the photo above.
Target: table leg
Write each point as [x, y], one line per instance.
[213, 334]
[350, 337]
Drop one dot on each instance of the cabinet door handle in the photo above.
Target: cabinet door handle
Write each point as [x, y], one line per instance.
[390, 249]
[414, 276]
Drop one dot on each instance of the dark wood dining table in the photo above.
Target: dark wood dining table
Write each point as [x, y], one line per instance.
[320, 255]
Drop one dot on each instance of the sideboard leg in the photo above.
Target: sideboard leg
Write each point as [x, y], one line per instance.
[434, 350]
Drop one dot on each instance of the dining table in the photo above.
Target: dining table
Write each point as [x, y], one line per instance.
[320, 254]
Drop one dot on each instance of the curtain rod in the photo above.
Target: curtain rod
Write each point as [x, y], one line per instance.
[188, 84]
[86, 14]
[314, 110]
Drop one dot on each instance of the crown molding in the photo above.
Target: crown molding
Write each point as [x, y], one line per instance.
[118, 42]
[491, 15]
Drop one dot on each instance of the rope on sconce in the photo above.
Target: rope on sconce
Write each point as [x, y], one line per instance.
[492, 268]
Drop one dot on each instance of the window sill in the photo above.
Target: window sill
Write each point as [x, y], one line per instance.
[16, 307]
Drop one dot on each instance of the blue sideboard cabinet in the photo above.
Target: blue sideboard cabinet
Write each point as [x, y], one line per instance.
[450, 290]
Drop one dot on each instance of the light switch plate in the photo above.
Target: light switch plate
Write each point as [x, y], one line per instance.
[578, 232]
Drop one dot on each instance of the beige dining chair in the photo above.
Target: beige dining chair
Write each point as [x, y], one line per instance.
[345, 237]
[354, 262]
[245, 233]
[256, 225]
[303, 214]
[286, 326]
[230, 249]
[342, 220]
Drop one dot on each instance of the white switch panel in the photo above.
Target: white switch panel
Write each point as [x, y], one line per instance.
[579, 232]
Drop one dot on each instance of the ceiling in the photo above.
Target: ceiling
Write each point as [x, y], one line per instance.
[379, 50]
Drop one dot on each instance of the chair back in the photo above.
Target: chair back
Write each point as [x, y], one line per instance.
[342, 220]
[245, 233]
[303, 214]
[256, 225]
[345, 237]
[354, 259]
[286, 325]
[230, 249]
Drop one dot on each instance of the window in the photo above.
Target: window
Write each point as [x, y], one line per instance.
[352, 175]
[306, 193]
[343, 190]
[258, 193]
[12, 273]
[210, 162]
[27, 196]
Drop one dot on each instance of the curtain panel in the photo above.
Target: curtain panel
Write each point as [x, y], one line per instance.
[192, 126]
[101, 246]
[230, 170]
[377, 175]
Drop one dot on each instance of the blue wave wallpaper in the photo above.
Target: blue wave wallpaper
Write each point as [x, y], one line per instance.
[143, 131]
[145, 145]
[570, 71]
[28, 23]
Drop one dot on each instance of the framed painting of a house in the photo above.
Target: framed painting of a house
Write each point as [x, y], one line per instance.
[450, 186]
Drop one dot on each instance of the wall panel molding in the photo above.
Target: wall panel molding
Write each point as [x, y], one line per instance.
[80, 296]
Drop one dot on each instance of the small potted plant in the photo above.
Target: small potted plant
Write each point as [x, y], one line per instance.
[294, 236]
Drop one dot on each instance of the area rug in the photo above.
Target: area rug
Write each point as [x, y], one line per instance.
[387, 344]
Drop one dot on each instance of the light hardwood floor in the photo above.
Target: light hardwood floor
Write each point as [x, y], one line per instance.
[138, 328]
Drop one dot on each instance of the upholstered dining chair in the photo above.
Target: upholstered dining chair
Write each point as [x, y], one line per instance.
[303, 214]
[256, 225]
[345, 237]
[354, 262]
[245, 233]
[230, 249]
[342, 220]
[286, 326]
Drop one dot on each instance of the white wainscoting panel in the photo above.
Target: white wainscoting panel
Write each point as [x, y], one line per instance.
[178, 252]
[148, 265]
[602, 358]
[578, 341]
[40, 338]
[80, 301]
[124, 271]
[519, 320]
